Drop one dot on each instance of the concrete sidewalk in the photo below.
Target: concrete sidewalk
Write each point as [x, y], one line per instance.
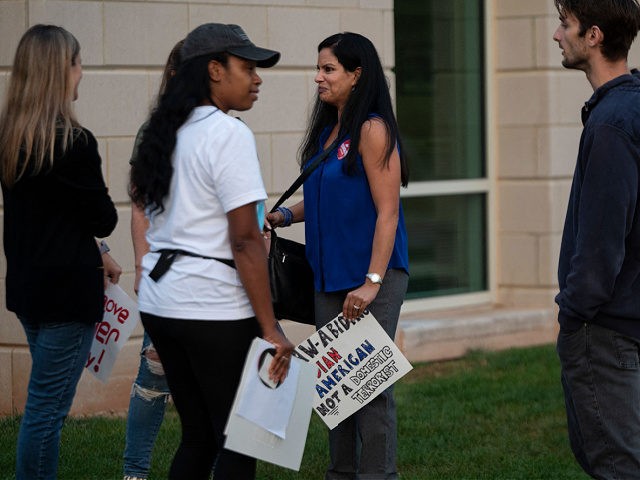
[430, 336]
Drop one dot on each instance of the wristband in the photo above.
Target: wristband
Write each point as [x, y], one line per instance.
[287, 214]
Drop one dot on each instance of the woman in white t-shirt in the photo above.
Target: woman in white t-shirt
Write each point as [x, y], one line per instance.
[204, 292]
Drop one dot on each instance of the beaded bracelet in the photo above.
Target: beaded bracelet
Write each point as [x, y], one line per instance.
[288, 216]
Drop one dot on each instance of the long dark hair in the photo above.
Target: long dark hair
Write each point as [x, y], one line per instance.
[151, 172]
[370, 96]
[171, 65]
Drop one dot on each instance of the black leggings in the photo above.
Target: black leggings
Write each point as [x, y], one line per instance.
[203, 361]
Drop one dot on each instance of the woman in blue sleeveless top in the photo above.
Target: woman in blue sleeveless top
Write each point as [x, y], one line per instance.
[356, 240]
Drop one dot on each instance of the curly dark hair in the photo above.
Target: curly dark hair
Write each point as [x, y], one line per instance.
[151, 172]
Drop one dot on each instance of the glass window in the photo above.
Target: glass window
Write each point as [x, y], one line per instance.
[439, 53]
[447, 244]
[440, 107]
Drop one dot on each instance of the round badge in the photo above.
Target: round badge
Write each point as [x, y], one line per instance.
[343, 149]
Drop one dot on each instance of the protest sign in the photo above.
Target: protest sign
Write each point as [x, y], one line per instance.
[254, 434]
[120, 318]
[355, 361]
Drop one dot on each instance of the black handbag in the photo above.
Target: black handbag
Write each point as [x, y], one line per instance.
[290, 275]
[291, 281]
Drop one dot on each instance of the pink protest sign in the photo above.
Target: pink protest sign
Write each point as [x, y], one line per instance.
[120, 318]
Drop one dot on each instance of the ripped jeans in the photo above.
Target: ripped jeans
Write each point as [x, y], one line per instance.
[149, 395]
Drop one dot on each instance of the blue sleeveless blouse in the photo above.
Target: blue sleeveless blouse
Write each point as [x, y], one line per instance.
[340, 221]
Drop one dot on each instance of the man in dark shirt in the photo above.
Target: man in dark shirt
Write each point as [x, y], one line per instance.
[599, 267]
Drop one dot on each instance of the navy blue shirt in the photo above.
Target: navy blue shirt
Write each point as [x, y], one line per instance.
[599, 267]
[340, 221]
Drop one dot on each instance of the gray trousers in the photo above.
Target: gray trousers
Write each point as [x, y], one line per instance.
[363, 446]
[601, 382]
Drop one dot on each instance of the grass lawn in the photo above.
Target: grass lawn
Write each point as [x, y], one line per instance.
[485, 416]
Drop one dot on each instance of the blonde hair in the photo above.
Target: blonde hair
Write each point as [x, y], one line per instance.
[38, 107]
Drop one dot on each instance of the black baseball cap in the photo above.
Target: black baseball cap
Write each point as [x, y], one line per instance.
[218, 37]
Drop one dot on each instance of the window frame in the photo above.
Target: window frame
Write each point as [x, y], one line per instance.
[486, 185]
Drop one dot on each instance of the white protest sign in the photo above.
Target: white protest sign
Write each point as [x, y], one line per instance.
[120, 318]
[355, 360]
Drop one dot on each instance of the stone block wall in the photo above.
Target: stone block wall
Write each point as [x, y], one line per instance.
[534, 127]
[123, 47]
[537, 131]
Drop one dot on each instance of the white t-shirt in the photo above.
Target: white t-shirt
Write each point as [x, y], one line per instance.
[215, 170]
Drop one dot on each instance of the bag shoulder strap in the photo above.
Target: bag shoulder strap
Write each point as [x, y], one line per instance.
[304, 175]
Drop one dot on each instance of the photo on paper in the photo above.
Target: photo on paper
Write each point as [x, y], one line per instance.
[271, 424]
[263, 368]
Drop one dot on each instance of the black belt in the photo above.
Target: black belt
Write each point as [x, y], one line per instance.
[168, 256]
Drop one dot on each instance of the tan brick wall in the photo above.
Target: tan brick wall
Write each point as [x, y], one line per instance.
[537, 132]
[124, 46]
[535, 126]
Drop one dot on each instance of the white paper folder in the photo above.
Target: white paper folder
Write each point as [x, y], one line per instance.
[250, 437]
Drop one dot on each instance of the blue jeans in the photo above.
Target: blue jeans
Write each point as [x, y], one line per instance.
[59, 352]
[363, 446]
[149, 395]
[601, 382]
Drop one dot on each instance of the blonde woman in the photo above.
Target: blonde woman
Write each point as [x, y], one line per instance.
[55, 204]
